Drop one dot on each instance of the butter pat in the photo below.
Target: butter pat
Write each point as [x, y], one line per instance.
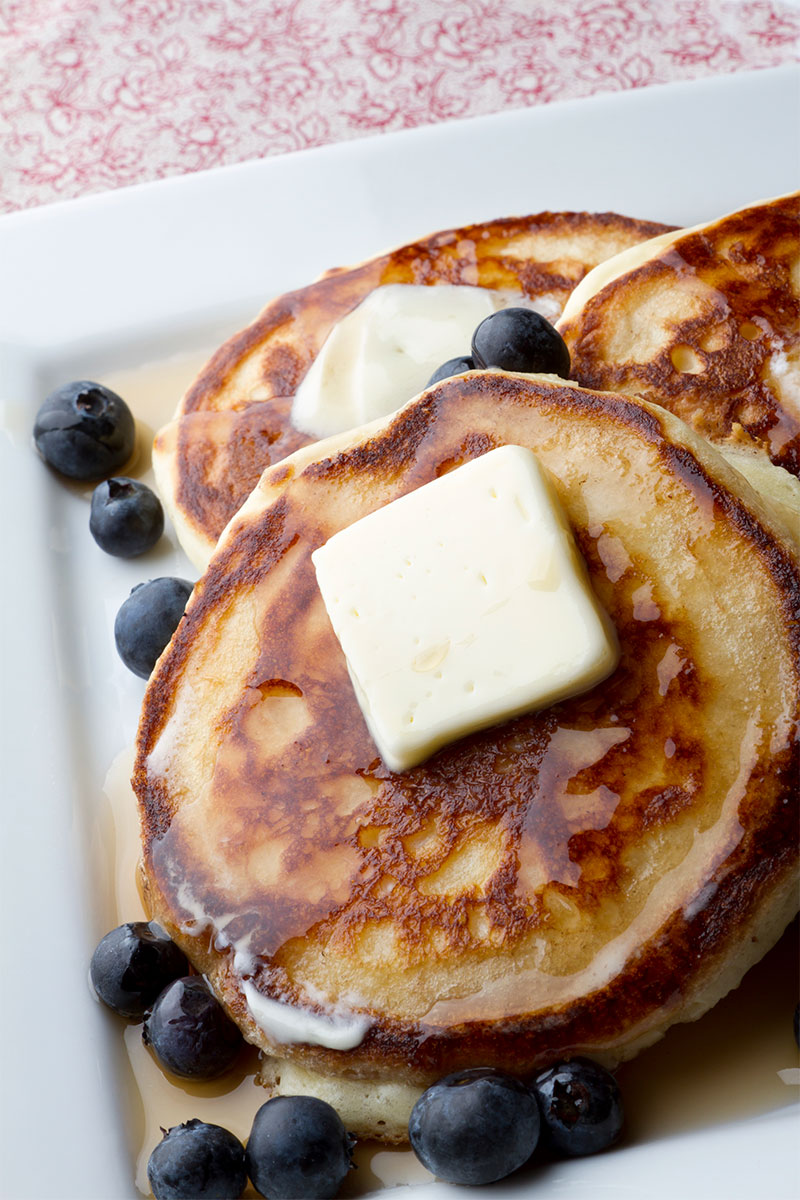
[463, 604]
[384, 352]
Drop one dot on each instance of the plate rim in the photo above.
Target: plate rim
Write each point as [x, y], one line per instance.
[32, 347]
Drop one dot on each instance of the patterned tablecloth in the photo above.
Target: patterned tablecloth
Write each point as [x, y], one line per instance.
[97, 94]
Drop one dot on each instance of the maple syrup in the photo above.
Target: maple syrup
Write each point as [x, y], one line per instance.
[738, 1061]
[735, 1062]
[152, 393]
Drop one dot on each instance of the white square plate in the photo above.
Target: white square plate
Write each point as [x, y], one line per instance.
[97, 286]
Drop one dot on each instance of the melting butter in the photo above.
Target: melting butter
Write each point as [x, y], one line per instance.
[462, 604]
[384, 352]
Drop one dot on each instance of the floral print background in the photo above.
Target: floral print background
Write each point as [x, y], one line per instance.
[96, 94]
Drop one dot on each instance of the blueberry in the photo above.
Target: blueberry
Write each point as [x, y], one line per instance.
[196, 1161]
[189, 1031]
[580, 1105]
[84, 430]
[475, 1126]
[298, 1148]
[126, 517]
[519, 339]
[147, 620]
[453, 366]
[132, 964]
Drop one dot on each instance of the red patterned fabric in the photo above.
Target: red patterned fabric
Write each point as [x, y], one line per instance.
[96, 94]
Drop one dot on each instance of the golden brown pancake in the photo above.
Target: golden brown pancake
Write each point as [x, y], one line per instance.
[236, 418]
[573, 881]
[707, 323]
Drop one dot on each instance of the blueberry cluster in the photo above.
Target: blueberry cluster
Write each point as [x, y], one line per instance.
[85, 431]
[140, 973]
[473, 1127]
[480, 1125]
[513, 339]
[298, 1148]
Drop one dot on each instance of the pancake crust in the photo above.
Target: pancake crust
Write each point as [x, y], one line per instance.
[708, 325]
[236, 418]
[573, 881]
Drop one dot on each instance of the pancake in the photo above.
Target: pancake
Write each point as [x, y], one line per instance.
[236, 418]
[706, 322]
[573, 881]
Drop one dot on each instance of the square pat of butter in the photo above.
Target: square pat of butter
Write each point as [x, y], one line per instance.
[462, 604]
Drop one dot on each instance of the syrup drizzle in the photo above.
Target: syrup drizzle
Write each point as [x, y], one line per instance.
[738, 1061]
[723, 1067]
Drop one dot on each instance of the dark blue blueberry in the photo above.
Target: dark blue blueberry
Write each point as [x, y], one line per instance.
[85, 430]
[126, 517]
[196, 1161]
[298, 1148]
[475, 1126]
[453, 366]
[147, 620]
[519, 339]
[132, 964]
[189, 1031]
[581, 1106]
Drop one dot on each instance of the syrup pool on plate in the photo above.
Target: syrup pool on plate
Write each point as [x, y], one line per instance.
[152, 393]
[738, 1061]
